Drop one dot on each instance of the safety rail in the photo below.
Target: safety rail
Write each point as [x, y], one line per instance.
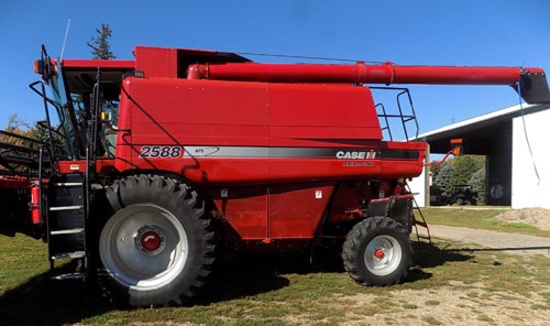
[403, 117]
[20, 155]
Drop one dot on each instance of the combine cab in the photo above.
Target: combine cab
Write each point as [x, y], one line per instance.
[168, 158]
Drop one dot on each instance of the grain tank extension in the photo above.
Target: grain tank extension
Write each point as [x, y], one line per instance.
[158, 165]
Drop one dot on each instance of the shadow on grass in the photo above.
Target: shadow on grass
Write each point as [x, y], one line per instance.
[41, 301]
[430, 255]
[248, 275]
[526, 251]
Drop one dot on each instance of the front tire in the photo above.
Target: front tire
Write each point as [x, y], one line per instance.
[158, 248]
[377, 252]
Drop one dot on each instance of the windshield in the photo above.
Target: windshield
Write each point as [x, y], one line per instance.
[72, 89]
[65, 114]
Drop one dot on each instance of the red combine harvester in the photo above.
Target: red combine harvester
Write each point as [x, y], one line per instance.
[156, 165]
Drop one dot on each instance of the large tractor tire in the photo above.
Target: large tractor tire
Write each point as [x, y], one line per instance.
[158, 247]
[377, 252]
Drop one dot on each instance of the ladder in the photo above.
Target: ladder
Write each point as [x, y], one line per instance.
[66, 222]
[68, 201]
[422, 222]
[419, 222]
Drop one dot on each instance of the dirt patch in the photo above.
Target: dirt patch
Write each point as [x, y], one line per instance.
[538, 217]
[458, 304]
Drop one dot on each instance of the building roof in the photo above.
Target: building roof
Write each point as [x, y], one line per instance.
[478, 133]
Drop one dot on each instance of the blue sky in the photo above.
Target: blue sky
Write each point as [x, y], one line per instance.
[466, 32]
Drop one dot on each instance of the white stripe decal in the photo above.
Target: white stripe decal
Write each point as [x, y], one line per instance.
[281, 152]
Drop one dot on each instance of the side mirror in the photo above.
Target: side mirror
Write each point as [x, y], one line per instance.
[44, 66]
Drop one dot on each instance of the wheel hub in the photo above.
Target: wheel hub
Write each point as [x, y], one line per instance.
[150, 240]
[383, 255]
[379, 253]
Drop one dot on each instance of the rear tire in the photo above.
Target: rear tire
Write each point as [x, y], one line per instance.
[158, 247]
[377, 251]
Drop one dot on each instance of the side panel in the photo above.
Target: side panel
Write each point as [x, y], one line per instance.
[267, 213]
[402, 159]
[295, 211]
[321, 113]
[240, 132]
[173, 124]
[245, 209]
[161, 62]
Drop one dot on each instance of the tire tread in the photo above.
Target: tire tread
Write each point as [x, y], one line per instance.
[352, 253]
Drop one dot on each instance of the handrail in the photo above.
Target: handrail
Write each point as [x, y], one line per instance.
[404, 118]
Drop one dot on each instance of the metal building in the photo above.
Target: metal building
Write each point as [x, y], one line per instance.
[517, 154]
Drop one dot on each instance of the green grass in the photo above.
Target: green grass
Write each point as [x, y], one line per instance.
[286, 290]
[22, 258]
[432, 303]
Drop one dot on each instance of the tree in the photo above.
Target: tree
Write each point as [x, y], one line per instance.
[442, 180]
[435, 168]
[478, 185]
[99, 44]
[18, 128]
[464, 167]
[36, 132]
[17, 125]
[461, 170]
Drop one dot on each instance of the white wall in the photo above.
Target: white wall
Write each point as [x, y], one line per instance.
[418, 188]
[528, 190]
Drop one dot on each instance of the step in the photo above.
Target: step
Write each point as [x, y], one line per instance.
[419, 223]
[69, 255]
[68, 184]
[67, 231]
[69, 276]
[65, 208]
[96, 186]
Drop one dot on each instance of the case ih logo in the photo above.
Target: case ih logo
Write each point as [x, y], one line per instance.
[363, 155]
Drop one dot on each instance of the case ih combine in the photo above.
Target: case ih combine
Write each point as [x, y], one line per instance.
[168, 159]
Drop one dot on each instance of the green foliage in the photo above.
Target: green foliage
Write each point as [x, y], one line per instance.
[442, 180]
[463, 168]
[478, 185]
[435, 169]
[99, 44]
[20, 126]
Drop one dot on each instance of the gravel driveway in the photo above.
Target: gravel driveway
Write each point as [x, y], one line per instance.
[498, 241]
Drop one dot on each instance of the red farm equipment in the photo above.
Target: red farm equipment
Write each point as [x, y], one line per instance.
[155, 165]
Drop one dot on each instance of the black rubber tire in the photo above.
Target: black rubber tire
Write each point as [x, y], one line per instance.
[176, 212]
[370, 235]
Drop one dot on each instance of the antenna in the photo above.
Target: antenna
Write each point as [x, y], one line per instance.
[65, 40]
